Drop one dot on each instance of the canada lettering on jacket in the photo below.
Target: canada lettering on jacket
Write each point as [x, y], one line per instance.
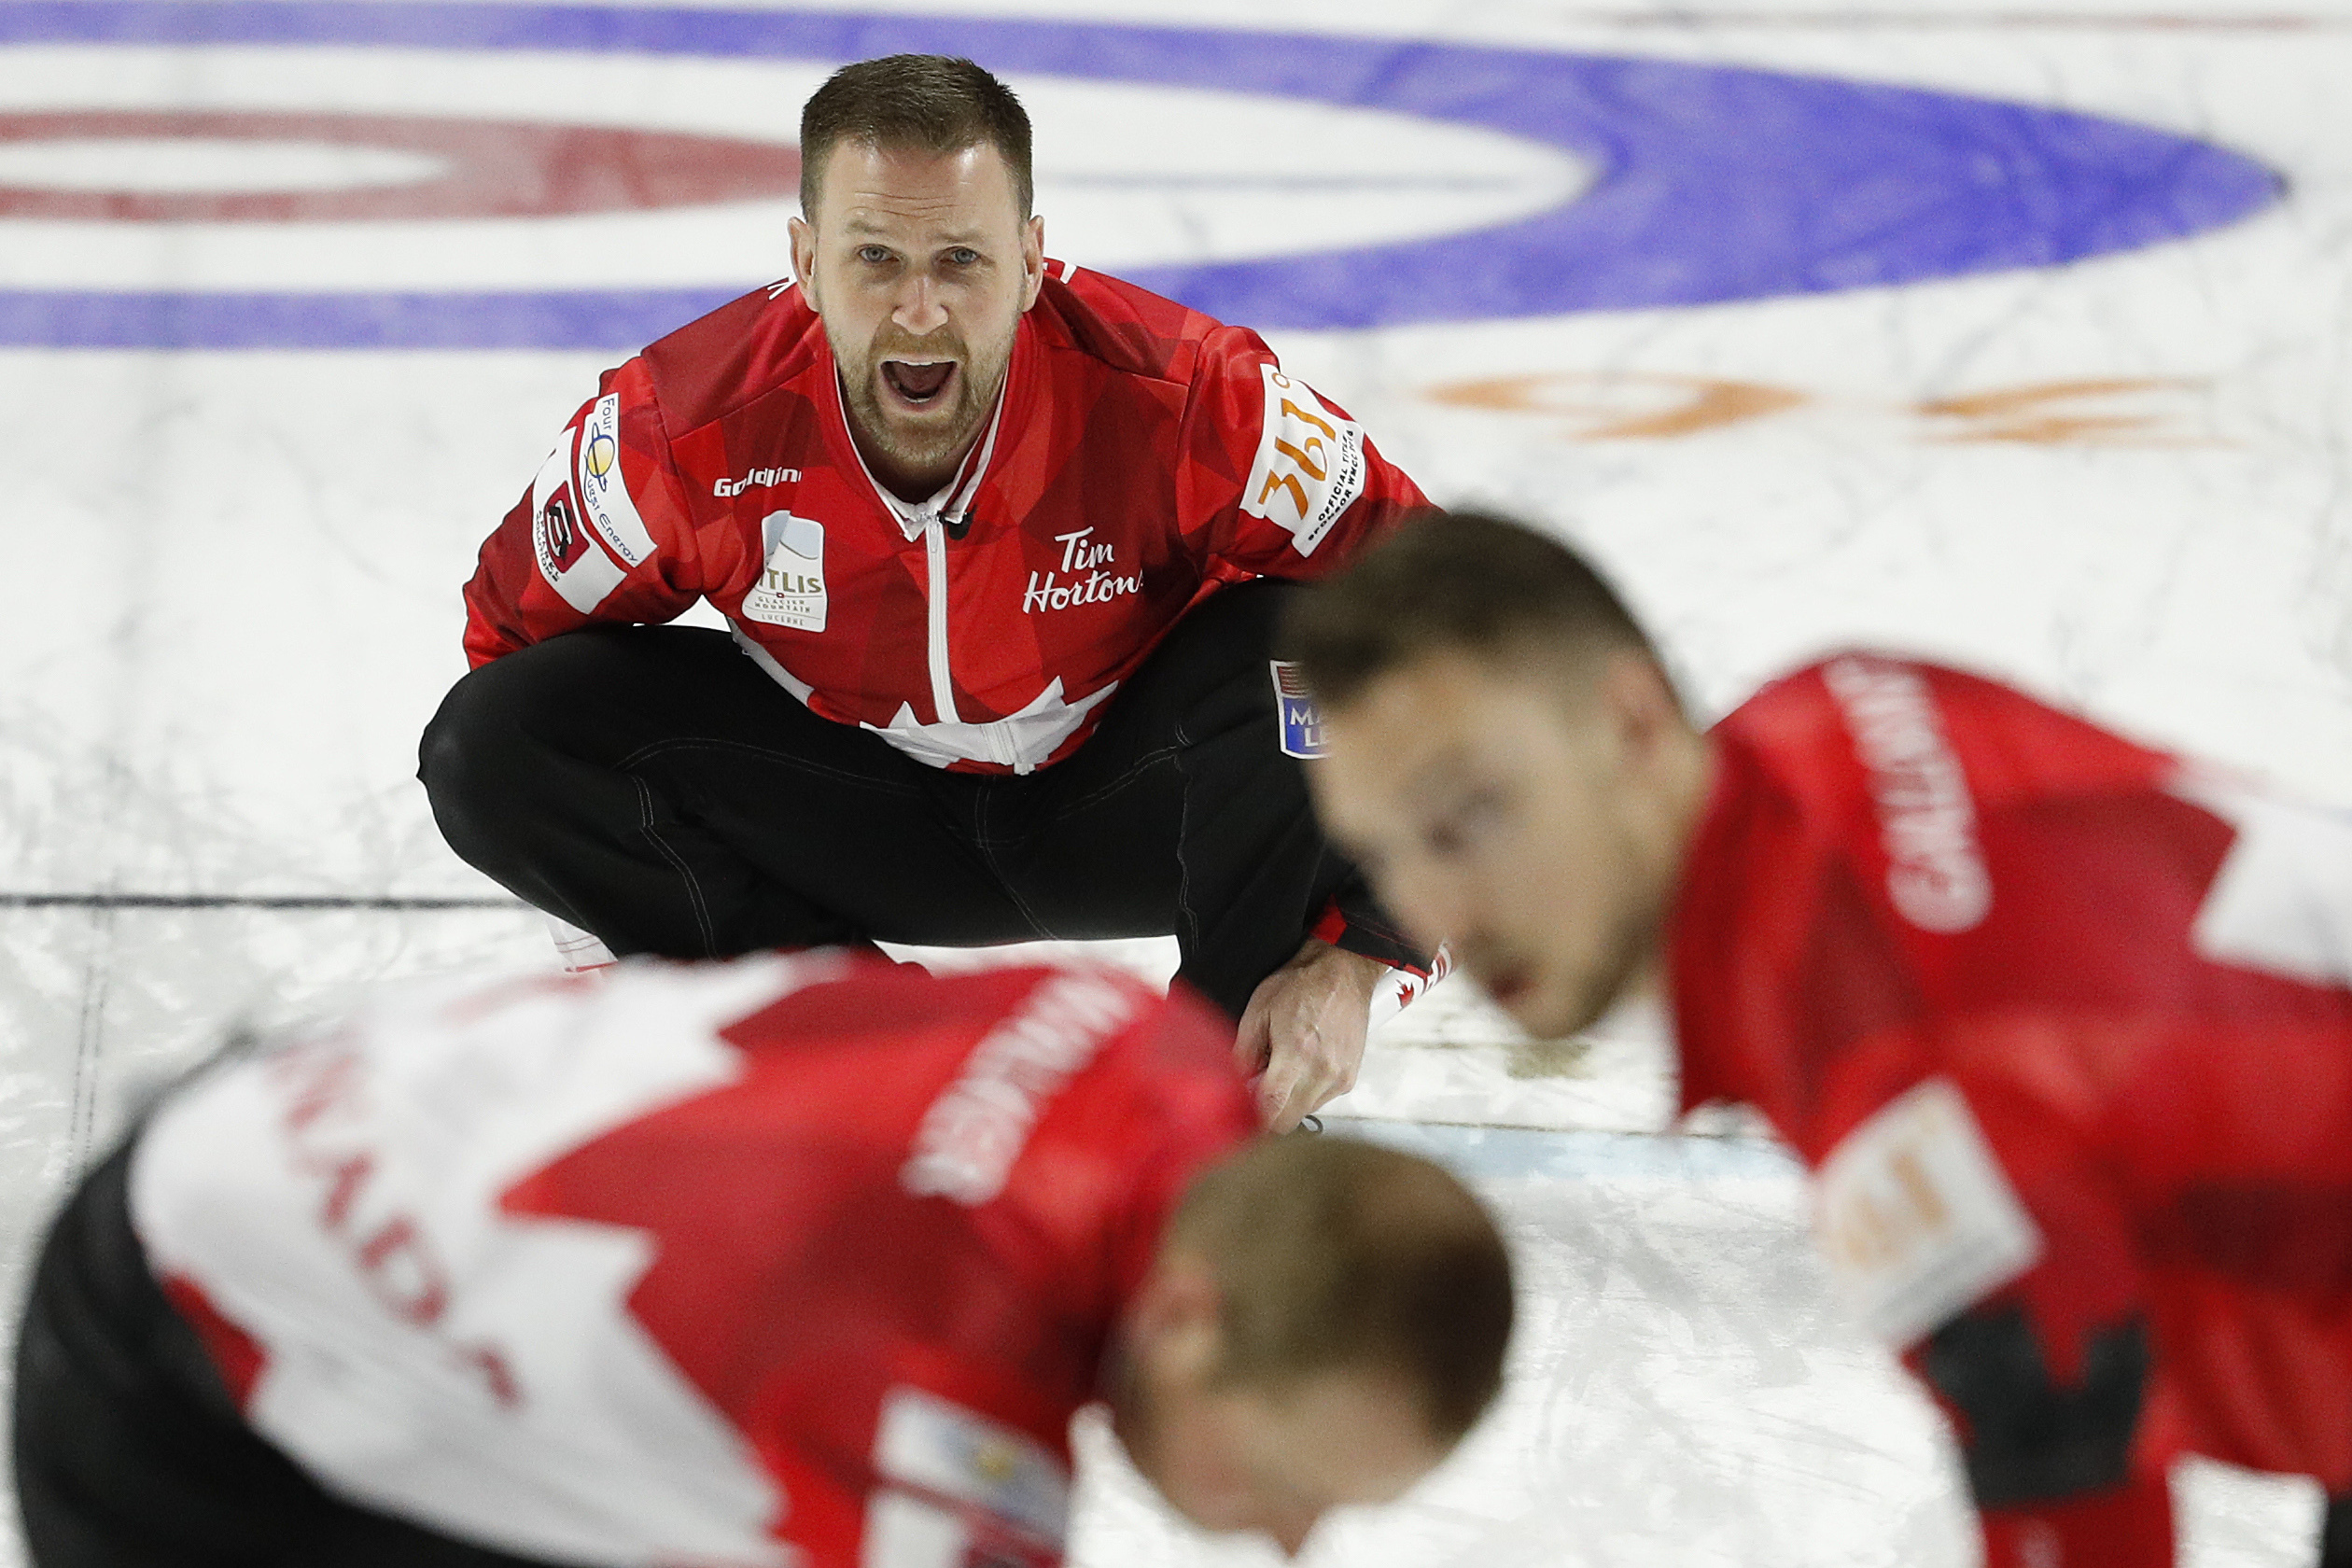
[321, 1121]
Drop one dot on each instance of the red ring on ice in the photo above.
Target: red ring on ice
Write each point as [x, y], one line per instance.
[497, 168]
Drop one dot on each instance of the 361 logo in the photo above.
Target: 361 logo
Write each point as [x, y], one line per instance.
[1309, 465]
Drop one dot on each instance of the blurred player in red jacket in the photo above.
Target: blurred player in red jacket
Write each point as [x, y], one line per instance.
[2059, 1022]
[800, 1260]
[998, 541]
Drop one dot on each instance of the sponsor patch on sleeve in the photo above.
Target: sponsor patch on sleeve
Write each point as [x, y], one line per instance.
[603, 491]
[1916, 1217]
[1301, 722]
[937, 1448]
[1309, 467]
[567, 558]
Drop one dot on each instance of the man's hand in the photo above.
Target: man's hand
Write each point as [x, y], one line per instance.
[1304, 1031]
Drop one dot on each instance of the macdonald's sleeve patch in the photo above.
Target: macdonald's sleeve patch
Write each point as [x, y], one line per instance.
[1295, 705]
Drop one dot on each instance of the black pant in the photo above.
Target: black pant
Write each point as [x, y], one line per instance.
[129, 1451]
[651, 785]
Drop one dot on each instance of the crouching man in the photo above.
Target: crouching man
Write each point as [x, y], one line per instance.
[1000, 542]
[800, 1260]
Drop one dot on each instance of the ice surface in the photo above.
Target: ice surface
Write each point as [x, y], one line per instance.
[2121, 482]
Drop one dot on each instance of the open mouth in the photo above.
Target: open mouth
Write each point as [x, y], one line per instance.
[919, 383]
[1507, 984]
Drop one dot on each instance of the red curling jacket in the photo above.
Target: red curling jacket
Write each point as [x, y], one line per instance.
[797, 1261]
[2061, 1026]
[1141, 456]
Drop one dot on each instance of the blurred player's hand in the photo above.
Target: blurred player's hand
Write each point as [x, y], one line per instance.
[1302, 1035]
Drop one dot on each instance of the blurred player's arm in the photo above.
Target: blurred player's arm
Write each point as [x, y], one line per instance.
[2050, 1457]
[602, 534]
[1969, 1223]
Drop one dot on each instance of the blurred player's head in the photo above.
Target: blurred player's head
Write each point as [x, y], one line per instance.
[1506, 756]
[918, 249]
[1324, 1321]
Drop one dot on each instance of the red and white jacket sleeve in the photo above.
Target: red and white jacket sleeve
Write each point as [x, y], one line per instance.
[1277, 480]
[602, 535]
[1974, 1224]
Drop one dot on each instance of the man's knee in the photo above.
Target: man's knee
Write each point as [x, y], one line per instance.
[509, 741]
[469, 749]
[596, 691]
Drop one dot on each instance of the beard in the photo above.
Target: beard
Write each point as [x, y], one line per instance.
[939, 436]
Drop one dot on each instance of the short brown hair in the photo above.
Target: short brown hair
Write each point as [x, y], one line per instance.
[1331, 1254]
[1469, 580]
[933, 103]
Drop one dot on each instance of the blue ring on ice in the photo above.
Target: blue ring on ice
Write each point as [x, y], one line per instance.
[1715, 183]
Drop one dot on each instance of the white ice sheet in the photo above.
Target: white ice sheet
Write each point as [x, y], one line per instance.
[236, 605]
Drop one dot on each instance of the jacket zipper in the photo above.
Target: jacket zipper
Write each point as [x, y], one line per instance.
[1001, 749]
[935, 553]
[934, 526]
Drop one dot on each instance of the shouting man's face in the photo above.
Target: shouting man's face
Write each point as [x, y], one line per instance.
[920, 265]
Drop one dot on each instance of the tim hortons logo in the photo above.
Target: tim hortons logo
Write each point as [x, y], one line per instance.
[1088, 582]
